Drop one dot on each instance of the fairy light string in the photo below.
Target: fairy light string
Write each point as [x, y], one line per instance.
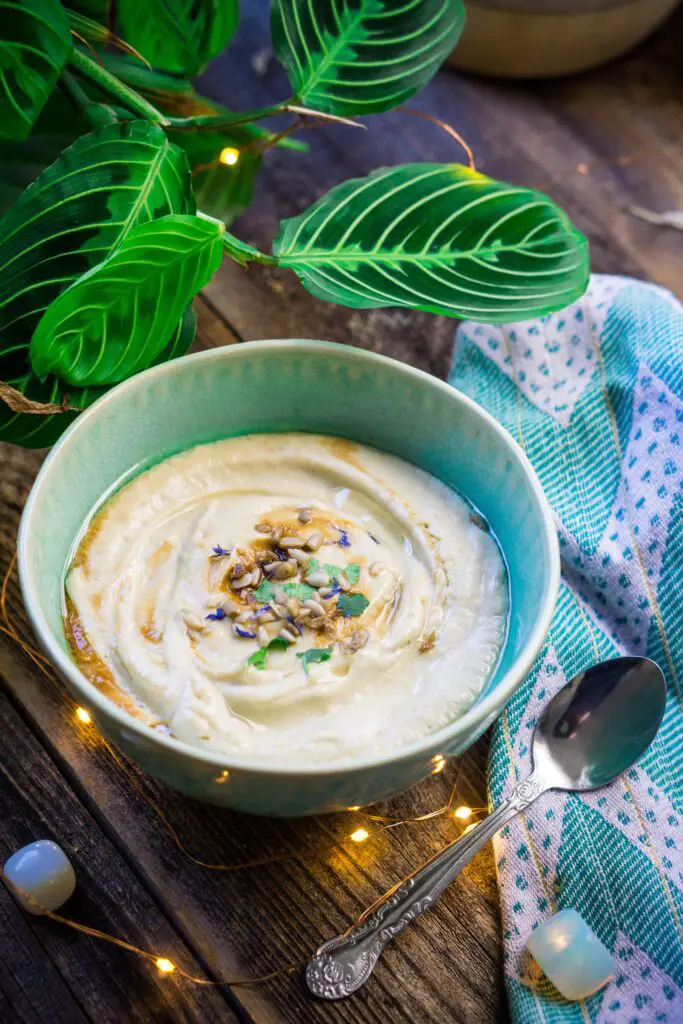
[163, 963]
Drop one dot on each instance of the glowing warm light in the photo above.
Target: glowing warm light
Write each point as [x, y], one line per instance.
[462, 812]
[356, 808]
[439, 763]
[83, 716]
[224, 776]
[165, 966]
[360, 835]
[470, 827]
[229, 156]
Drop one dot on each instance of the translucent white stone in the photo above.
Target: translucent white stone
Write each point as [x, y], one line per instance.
[42, 870]
[571, 955]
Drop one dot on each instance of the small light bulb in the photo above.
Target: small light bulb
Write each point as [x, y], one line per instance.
[439, 763]
[356, 807]
[83, 716]
[229, 156]
[462, 812]
[470, 827]
[360, 835]
[165, 966]
[223, 777]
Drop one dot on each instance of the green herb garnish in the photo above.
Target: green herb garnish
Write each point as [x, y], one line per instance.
[258, 658]
[315, 654]
[352, 605]
[351, 571]
[265, 591]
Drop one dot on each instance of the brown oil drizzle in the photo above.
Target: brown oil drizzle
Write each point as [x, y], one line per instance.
[95, 669]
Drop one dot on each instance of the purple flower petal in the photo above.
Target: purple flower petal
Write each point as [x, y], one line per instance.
[218, 550]
[217, 615]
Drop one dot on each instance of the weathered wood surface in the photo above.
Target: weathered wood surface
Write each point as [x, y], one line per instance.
[57, 781]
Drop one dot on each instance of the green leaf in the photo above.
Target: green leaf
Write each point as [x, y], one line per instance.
[37, 431]
[117, 318]
[363, 56]
[351, 571]
[437, 237]
[258, 658]
[178, 35]
[79, 210]
[352, 605]
[313, 655]
[34, 47]
[265, 591]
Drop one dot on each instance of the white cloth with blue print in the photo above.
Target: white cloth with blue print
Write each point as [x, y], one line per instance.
[594, 395]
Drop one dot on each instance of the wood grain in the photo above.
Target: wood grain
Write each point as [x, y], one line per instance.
[58, 781]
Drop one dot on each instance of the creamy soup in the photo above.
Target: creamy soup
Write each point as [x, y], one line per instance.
[295, 598]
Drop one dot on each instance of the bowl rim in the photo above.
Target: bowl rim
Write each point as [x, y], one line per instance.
[478, 717]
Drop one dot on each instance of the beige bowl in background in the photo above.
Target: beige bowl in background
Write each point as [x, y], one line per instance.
[544, 38]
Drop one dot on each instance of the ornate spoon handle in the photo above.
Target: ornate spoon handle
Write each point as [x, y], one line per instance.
[345, 963]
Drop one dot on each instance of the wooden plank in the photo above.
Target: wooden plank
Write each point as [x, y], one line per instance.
[50, 972]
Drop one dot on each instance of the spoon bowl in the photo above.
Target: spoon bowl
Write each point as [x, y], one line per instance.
[599, 724]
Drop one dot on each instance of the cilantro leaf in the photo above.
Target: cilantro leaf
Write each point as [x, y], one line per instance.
[265, 591]
[258, 658]
[352, 605]
[315, 654]
[352, 572]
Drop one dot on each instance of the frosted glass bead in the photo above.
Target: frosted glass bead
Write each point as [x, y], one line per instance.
[42, 870]
[571, 955]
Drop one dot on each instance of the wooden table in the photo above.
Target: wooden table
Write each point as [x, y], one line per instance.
[57, 779]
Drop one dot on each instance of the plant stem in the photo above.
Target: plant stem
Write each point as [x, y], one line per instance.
[97, 114]
[214, 122]
[113, 87]
[244, 253]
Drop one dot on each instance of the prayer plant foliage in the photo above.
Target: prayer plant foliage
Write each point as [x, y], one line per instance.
[115, 199]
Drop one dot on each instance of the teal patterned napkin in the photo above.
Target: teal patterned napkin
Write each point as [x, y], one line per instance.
[594, 395]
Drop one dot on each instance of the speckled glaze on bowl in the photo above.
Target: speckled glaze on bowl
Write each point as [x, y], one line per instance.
[276, 386]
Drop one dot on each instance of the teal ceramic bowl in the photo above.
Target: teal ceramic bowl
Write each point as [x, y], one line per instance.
[276, 386]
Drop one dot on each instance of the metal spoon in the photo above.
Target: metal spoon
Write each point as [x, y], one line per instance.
[590, 732]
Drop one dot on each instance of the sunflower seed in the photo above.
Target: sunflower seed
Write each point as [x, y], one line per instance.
[293, 606]
[276, 534]
[314, 540]
[292, 542]
[193, 622]
[255, 578]
[266, 616]
[299, 555]
[316, 608]
[318, 579]
[264, 527]
[241, 581]
[213, 601]
[244, 616]
[343, 582]
[304, 515]
[278, 609]
[325, 591]
[280, 596]
[281, 570]
[303, 614]
[289, 635]
[356, 641]
[262, 634]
